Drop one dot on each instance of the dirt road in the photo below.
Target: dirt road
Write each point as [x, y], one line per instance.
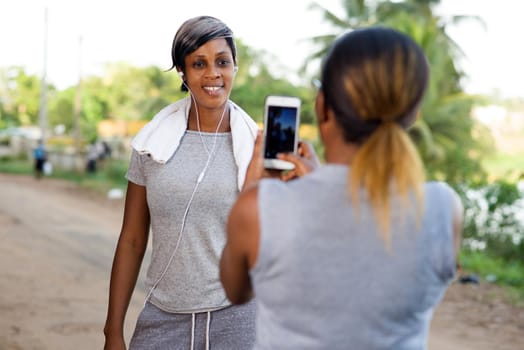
[56, 248]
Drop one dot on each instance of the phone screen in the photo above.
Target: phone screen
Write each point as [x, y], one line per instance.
[280, 130]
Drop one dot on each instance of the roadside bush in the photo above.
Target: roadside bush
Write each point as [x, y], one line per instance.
[494, 220]
[493, 236]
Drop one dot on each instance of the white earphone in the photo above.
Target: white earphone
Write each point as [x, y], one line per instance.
[198, 181]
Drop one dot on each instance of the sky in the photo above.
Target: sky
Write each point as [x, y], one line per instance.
[83, 35]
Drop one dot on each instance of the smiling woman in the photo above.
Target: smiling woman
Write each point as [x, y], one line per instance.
[189, 160]
[207, 70]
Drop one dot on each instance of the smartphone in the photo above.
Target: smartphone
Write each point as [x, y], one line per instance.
[281, 125]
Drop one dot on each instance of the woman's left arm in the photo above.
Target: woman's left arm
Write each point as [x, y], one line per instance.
[241, 249]
[458, 222]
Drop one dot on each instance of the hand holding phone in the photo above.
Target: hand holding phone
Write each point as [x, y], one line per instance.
[281, 126]
[305, 161]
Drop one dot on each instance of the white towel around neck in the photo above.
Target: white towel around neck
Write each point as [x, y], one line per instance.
[161, 136]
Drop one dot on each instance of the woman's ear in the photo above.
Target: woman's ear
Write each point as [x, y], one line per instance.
[324, 113]
[320, 107]
[327, 123]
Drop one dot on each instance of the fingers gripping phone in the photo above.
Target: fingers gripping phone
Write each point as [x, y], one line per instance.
[281, 125]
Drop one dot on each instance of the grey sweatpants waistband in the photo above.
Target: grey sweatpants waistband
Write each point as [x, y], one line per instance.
[230, 328]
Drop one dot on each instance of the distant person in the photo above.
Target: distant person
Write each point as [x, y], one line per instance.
[358, 253]
[105, 150]
[187, 167]
[40, 157]
[93, 154]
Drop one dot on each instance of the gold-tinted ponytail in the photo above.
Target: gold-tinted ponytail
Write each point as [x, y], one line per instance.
[387, 163]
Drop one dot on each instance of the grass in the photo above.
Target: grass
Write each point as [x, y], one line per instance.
[110, 175]
[504, 165]
[507, 274]
[15, 166]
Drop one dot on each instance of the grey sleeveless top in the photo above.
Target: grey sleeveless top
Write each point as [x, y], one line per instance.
[191, 282]
[325, 279]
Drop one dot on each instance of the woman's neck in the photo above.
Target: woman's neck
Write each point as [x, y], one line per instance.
[336, 149]
[206, 120]
[339, 152]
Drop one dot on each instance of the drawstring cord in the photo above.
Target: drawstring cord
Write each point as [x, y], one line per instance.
[193, 324]
[192, 331]
[207, 329]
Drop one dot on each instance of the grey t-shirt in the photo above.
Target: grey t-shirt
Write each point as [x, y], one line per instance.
[324, 278]
[191, 282]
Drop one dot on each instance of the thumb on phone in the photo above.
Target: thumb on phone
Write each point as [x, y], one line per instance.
[305, 161]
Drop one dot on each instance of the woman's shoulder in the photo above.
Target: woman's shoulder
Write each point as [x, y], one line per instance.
[275, 191]
[271, 183]
[440, 191]
[161, 136]
[438, 186]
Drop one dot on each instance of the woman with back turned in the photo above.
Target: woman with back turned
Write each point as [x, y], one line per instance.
[357, 253]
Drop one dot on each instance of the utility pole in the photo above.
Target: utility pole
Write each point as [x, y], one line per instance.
[42, 113]
[77, 108]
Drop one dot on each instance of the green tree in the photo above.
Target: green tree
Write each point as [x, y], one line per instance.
[61, 109]
[138, 93]
[444, 133]
[20, 96]
[125, 92]
[134, 93]
[254, 81]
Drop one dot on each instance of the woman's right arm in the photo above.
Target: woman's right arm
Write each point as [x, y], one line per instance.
[129, 254]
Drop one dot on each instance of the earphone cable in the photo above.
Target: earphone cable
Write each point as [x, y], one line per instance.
[199, 180]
